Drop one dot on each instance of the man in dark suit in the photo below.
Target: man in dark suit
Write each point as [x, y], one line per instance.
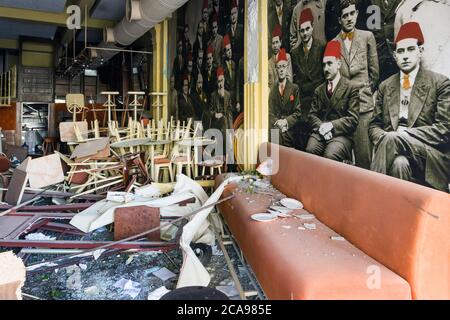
[200, 41]
[209, 75]
[216, 41]
[335, 110]
[280, 14]
[198, 68]
[221, 108]
[236, 33]
[205, 20]
[222, 14]
[307, 60]
[284, 104]
[186, 109]
[187, 45]
[308, 72]
[230, 73]
[360, 65]
[178, 66]
[411, 124]
[200, 101]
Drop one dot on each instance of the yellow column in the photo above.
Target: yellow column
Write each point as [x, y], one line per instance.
[160, 68]
[256, 94]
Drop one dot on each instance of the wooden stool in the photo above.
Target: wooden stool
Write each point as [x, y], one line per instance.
[50, 145]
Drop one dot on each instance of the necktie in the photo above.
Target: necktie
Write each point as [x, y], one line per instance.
[229, 66]
[347, 35]
[280, 14]
[282, 89]
[305, 49]
[406, 83]
[330, 89]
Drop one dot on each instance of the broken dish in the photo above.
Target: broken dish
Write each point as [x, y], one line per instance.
[263, 217]
[291, 203]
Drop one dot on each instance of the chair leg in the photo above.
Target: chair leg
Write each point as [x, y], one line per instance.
[156, 177]
[220, 170]
[203, 170]
[188, 170]
[171, 173]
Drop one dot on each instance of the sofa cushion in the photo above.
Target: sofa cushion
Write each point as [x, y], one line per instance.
[402, 225]
[290, 263]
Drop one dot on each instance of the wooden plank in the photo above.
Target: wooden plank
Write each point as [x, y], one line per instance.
[45, 171]
[16, 187]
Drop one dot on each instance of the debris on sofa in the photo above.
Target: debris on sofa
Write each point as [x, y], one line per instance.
[310, 226]
[12, 276]
[337, 238]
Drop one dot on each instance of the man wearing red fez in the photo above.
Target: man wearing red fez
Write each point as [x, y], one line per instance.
[209, 75]
[279, 13]
[318, 10]
[411, 124]
[360, 65]
[216, 40]
[284, 104]
[186, 108]
[334, 111]
[236, 32]
[221, 106]
[230, 72]
[308, 73]
[277, 44]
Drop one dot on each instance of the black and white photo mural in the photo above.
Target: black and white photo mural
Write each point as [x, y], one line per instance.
[365, 83]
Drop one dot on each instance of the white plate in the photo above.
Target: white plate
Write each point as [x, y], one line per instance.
[263, 217]
[291, 203]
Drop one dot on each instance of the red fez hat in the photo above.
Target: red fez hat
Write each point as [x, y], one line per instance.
[210, 50]
[333, 49]
[410, 30]
[220, 72]
[282, 55]
[277, 31]
[215, 18]
[226, 41]
[185, 77]
[306, 16]
[205, 4]
[190, 57]
[233, 4]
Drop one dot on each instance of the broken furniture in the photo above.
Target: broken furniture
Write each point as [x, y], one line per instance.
[397, 233]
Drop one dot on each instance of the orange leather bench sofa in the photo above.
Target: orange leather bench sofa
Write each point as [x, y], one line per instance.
[397, 232]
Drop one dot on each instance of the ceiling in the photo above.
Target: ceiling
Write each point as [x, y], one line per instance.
[56, 6]
[10, 29]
